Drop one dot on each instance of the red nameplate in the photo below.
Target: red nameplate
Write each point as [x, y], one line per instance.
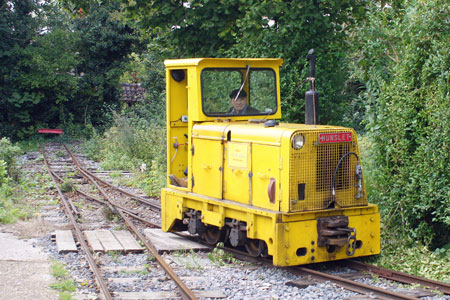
[339, 137]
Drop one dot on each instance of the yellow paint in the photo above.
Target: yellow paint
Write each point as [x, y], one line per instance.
[236, 180]
[207, 168]
[265, 165]
[232, 159]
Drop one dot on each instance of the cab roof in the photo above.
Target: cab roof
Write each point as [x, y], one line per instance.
[219, 61]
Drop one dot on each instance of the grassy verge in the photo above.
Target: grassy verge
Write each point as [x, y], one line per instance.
[401, 254]
[399, 251]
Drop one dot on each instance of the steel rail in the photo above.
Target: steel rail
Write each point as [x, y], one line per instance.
[185, 291]
[128, 211]
[398, 276]
[99, 279]
[155, 206]
[351, 285]
[72, 206]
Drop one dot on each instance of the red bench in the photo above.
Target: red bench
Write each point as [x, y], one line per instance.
[46, 130]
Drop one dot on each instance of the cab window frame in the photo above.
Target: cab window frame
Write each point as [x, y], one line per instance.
[239, 70]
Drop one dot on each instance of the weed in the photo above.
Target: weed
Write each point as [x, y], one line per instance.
[60, 153]
[115, 174]
[375, 278]
[67, 186]
[151, 257]
[58, 270]
[138, 272]
[109, 214]
[131, 142]
[65, 296]
[115, 255]
[64, 283]
[220, 256]
[188, 259]
[120, 227]
[403, 254]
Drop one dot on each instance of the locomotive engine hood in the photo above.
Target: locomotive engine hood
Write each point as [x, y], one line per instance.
[258, 133]
[318, 165]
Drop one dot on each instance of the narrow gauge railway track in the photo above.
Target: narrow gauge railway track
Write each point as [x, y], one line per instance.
[351, 285]
[104, 188]
[71, 212]
[398, 276]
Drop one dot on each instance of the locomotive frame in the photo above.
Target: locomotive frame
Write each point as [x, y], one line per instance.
[247, 183]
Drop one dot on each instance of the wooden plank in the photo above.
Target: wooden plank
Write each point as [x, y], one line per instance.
[124, 281]
[65, 242]
[124, 269]
[166, 241]
[127, 241]
[93, 241]
[165, 295]
[108, 241]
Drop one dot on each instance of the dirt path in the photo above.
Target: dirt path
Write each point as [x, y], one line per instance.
[24, 269]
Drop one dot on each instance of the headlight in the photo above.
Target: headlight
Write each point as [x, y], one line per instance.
[298, 141]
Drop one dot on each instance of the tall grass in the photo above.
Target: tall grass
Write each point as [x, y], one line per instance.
[137, 138]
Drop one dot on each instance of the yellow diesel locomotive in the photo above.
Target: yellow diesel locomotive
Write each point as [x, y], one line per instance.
[235, 174]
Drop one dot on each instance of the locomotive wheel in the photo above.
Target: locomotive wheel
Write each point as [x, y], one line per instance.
[213, 235]
[254, 247]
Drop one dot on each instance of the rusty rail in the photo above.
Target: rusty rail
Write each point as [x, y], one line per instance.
[351, 285]
[79, 234]
[185, 291]
[90, 197]
[399, 276]
[155, 207]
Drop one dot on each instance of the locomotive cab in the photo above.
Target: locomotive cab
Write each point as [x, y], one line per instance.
[291, 191]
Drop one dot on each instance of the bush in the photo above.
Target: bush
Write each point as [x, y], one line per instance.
[9, 210]
[405, 62]
[8, 153]
[138, 137]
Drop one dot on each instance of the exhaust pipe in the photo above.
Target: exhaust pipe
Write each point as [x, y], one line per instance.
[311, 96]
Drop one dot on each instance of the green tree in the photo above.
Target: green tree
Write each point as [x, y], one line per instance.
[34, 67]
[404, 58]
[57, 70]
[103, 52]
[288, 29]
[271, 28]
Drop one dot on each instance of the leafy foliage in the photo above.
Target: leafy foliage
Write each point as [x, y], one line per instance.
[246, 28]
[55, 70]
[103, 55]
[11, 200]
[30, 72]
[413, 257]
[405, 60]
[137, 138]
[8, 154]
